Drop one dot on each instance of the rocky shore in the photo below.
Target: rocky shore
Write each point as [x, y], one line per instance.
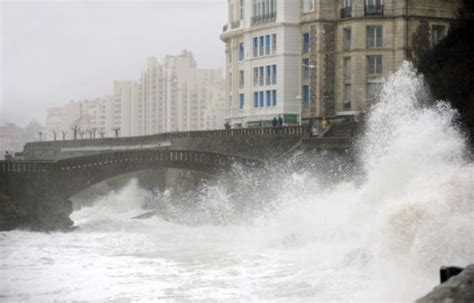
[459, 288]
[49, 215]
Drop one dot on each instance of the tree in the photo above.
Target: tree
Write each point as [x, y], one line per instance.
[102, 133]
[54, 134]
[421, 41]
[449, 67]
[75, 129]
[117, 131]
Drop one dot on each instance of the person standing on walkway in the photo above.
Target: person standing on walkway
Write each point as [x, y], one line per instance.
[280, 122]
[324, 123]
[274, 122]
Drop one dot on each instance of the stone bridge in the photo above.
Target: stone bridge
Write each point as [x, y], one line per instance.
[36, 193]
[256, 143]
[35, 186]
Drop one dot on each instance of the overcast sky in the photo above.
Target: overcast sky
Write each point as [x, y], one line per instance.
[56, 51]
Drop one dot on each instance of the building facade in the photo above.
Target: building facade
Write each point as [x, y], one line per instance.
[331, 55]
[262, 55]
[168, 97]
[176, 96]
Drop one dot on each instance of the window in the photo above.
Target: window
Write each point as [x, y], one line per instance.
[306, 67]
[274, 44]
[262, 41]
[306, 42]
[267, 44]
[347, 68]
[274, 74]
[262, 75]
[374, 36]
[374, 8]
[255, 47]
[262, 101]
[346, 102]
[346, 10]
[374, 2]
[242, 101]
[269, 98]
[263, 11]
[274, 97]
[346, 39]
[308, 6]
[373, 92]
[269, 75]
[242, 9]
[438, 33]
[374, 65]
[255, 99]
[241, 79]
[241, 51]
[306, 95]
[255, 76]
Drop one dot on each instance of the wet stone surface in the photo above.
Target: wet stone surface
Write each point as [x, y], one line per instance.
[459, 288]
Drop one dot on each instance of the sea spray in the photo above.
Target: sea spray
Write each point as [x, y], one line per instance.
[310, 230]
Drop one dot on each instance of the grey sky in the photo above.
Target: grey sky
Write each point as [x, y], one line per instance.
[57, 51]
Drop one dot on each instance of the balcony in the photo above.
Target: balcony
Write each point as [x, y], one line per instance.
[374, 10]
[262, 19]
[346, 12]
[235, 24]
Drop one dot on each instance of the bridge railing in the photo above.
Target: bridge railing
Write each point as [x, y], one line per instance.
[266, 131]
[142, 156]
[335, 142]
[27, 166]
[123, 157]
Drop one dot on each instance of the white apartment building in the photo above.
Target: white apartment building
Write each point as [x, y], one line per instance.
[263, 53]
[173, 96]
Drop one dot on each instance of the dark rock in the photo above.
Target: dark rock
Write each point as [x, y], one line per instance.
[459, 288]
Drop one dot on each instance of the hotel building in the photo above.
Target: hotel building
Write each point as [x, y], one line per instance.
[321, 57]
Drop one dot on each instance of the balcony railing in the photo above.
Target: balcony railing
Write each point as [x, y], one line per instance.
[267, 18]
[346, 12]
[374, 10]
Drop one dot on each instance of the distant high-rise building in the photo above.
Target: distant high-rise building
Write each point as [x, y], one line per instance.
[168, 97]
[174, 96]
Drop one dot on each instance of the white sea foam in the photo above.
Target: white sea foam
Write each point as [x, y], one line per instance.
[291, 235]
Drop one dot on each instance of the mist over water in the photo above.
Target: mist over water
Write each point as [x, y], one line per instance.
[317, 228]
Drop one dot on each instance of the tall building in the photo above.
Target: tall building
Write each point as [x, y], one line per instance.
[330, 55]
[168, 97]
[262, 61]
[174, 96]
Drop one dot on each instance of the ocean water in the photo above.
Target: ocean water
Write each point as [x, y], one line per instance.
[305, 231]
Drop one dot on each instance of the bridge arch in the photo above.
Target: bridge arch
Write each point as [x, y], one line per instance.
[72, 175]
